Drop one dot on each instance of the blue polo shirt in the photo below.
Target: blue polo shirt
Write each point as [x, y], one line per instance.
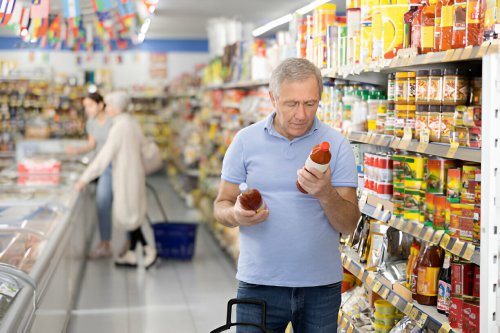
[296, 246]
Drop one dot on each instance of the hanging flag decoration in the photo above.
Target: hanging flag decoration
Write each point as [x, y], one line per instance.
[71, 8]
[126, 8]
[89, 37]
[9, 10]
[102, 5]
[40, 9]
[15, 20]
[54, 33]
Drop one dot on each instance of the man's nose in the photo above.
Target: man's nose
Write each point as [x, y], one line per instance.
[301, 112]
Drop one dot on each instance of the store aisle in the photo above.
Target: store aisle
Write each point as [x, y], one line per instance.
[171, 297]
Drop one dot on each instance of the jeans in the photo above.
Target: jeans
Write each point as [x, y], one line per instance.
[310, 309]
[104, 199]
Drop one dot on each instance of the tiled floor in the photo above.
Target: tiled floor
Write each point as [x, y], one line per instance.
[180, 297]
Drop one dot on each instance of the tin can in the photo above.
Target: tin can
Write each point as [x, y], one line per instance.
[429, 208]
[415, 171]
[436, 175]
[439, 217]
[454, 185]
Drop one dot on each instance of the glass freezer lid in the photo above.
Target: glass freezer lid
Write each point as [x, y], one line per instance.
[33, 219]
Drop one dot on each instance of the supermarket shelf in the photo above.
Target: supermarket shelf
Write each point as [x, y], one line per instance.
[425, 316]
[231, 105]
[381, 210]
[346, 323]
[186, 95]
[431, 148]
[406, 58]
[247, 84]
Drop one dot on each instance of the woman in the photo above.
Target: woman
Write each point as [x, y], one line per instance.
[123, 150]
[98, 126]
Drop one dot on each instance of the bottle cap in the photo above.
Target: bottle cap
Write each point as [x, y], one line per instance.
[243, 187]
[325, 146]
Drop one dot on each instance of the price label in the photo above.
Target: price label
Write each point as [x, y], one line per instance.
[400, 224]
[409, 227]
[437, 236]
[350, 328]
[428, 234]
[418, 228]
[467, 52]
[448, 55]
[395, 143]
[392, 221]
[414, 313]
[405, 141]
[385, 216]
[445, 241]
[380, 140]
[363, 138]
[457, 55]
[348, 263]
[445, 328]
[385, 292]
[377, 286]
[408, 308]
[421, 321]
[360, 274]
[362, 200]
[424, 140]
[469, 251]
[371, 138]
[369, 279]
[457, 247]
[482, 49]
[453, 150]
[378, 210]
[394, 300]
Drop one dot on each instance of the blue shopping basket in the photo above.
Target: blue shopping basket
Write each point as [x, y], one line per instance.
[244, 301]
[174, 240]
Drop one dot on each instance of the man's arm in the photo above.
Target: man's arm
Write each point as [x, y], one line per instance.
[339, 203]
[228, 211]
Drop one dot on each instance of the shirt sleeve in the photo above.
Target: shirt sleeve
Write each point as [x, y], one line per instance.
[89, 127]
[344, 173]
[233, 165]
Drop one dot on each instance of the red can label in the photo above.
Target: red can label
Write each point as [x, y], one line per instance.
[477, 283]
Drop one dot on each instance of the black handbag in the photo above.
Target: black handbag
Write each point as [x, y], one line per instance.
[229, 323]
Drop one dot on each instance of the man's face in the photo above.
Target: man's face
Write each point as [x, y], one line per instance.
[296, 107]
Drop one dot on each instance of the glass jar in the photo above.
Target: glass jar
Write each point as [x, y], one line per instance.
[390, 119]
[476, 94]
[455, 87]
[412, 88]
[422, 96]
[391, 88]
[435, 122]
[421, 120]
[410, 118]
[447, 115]
[401, 88]
[435, 92]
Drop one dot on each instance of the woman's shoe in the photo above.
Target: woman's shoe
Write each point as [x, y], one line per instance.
[129, 259]
[100, 252]
[150, 256]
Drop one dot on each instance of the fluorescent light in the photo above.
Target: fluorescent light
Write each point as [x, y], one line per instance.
[271, 25]
[306, 9]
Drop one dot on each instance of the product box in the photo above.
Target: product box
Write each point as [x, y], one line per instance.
[415, 172]
[462, 279]
[469, 173]
[466, 229]
[476, 234]
[388, 30]
[474, 316]
[454, 185]
[437, 174]
[455, 316]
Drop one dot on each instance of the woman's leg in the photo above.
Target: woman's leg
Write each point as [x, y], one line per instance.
[104, 200]
[136, 236]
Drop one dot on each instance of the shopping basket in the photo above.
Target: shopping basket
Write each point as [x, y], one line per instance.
[244, 301]
[174, 240]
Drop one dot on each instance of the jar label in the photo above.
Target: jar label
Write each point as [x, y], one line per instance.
[444, 293]
[311, 164]
[427, 281]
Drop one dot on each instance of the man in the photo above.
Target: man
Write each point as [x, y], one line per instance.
[289, 254]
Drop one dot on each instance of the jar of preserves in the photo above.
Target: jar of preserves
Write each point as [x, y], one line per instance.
[435, 87]
[422, 96]
[455, 87]
[421, 119]
[391, 88]
[435, 122]
[412, 88]
[400, 119]
[401, 88]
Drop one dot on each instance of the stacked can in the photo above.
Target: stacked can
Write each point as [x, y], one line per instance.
[379, 175]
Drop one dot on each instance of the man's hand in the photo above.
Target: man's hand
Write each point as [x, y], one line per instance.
[315, 182]
[79, 186]
[248, 218]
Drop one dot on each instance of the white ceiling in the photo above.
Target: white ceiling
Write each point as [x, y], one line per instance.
[188, 18]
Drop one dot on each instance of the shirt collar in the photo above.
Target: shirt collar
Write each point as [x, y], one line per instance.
[272, 131]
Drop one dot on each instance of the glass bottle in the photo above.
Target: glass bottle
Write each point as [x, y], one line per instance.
[444, 287]
[251, 199]
[429, 265]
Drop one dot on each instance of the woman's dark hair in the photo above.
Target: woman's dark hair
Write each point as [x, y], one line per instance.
[96, 97]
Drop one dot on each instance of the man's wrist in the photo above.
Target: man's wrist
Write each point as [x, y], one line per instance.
[327, 195]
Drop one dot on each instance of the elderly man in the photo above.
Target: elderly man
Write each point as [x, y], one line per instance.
[289, 253]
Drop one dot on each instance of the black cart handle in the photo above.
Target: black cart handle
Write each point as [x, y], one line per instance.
[248, 301]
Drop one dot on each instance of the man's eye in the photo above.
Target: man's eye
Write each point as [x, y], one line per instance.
[310, 104]
[291, 104]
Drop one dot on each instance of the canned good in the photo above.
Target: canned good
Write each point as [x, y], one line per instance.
[439, 217]
[415, 172]
[454, 185]
[462, 278]
[384, 166]
[384, 190]
[413, 205]
[429, 208]
[398, 165]
[436, 175]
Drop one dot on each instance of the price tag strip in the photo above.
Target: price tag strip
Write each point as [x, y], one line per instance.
[466, 54]
[429, 232]
[376, 286]
[424, 141]
[395, 143]
[469, 251]
[457, 247]
[371, 138]
[421, 321]
[363, 138]
[385, 292]
[405, 142]
[380, 140]
[408, 308]
[436, 239]
[445, 328]
[414, 313]
[378, 210]
[445, 241]
[453, 150]
[448, 55]
[385, 216]
[362, 200]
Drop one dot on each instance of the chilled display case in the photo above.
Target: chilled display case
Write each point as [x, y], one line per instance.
[45, 231]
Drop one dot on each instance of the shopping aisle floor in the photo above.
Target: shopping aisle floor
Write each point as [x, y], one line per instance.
[173, 296]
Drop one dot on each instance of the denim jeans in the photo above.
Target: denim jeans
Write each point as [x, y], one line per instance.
[104, 199]
[310, 309]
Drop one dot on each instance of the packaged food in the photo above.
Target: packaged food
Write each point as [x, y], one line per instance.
[476, 92]
[466, 229]
[465, 316]
[470, 172]
[415, 172]
[455, 317]
[416, 30]
[435, 123]
[427, 27]
[474, 317]
[454, 185]
[413, 202]
[455, 87]
[388, 29]
[469, 116]
[390, 119]
[429, 208]
[429, 265]
[446, 27]
[437, 173]
[446, 123]
[454, 225]
[458, 117]
[378, 232]
[439, 216]
[400, 119]
[401, 88]
[477, 282]
[410, 118]
[459, 24]
[475, 137]
[460, 134]
[421, 120]
[476, 235]
[399, 167]
[391, 87]
[462, 278]
[422, 96]
[474, 22]
[435, 88]
[383, 307]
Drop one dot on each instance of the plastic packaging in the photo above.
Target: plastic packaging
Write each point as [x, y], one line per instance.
[318, 159]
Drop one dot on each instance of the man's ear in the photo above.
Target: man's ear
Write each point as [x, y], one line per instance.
[273, 100]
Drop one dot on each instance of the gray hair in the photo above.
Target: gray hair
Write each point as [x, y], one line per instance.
[118, 99]
[294, 69]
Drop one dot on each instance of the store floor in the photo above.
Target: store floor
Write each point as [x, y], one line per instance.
[173, 296]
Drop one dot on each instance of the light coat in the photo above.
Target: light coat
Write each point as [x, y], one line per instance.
[123, 150]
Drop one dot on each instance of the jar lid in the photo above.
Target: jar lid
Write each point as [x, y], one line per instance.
[402, 75]
[423, 72]
[391, 107]
[436, 72]
[422, 108]
[450, 71]
[435, 108]
[412, 74]
[448, 108]
[391, 76]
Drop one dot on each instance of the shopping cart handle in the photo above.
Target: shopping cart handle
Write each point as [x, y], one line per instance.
[247, 301]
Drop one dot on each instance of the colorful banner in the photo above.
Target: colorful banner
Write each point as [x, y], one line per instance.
[102, 5]
[25, 21]
[16, 15]
[71, 8]
[40, 10]
[54, 33]
[126, 8]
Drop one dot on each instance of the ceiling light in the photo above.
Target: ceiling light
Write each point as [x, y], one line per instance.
[271, 25]
[306, 9]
